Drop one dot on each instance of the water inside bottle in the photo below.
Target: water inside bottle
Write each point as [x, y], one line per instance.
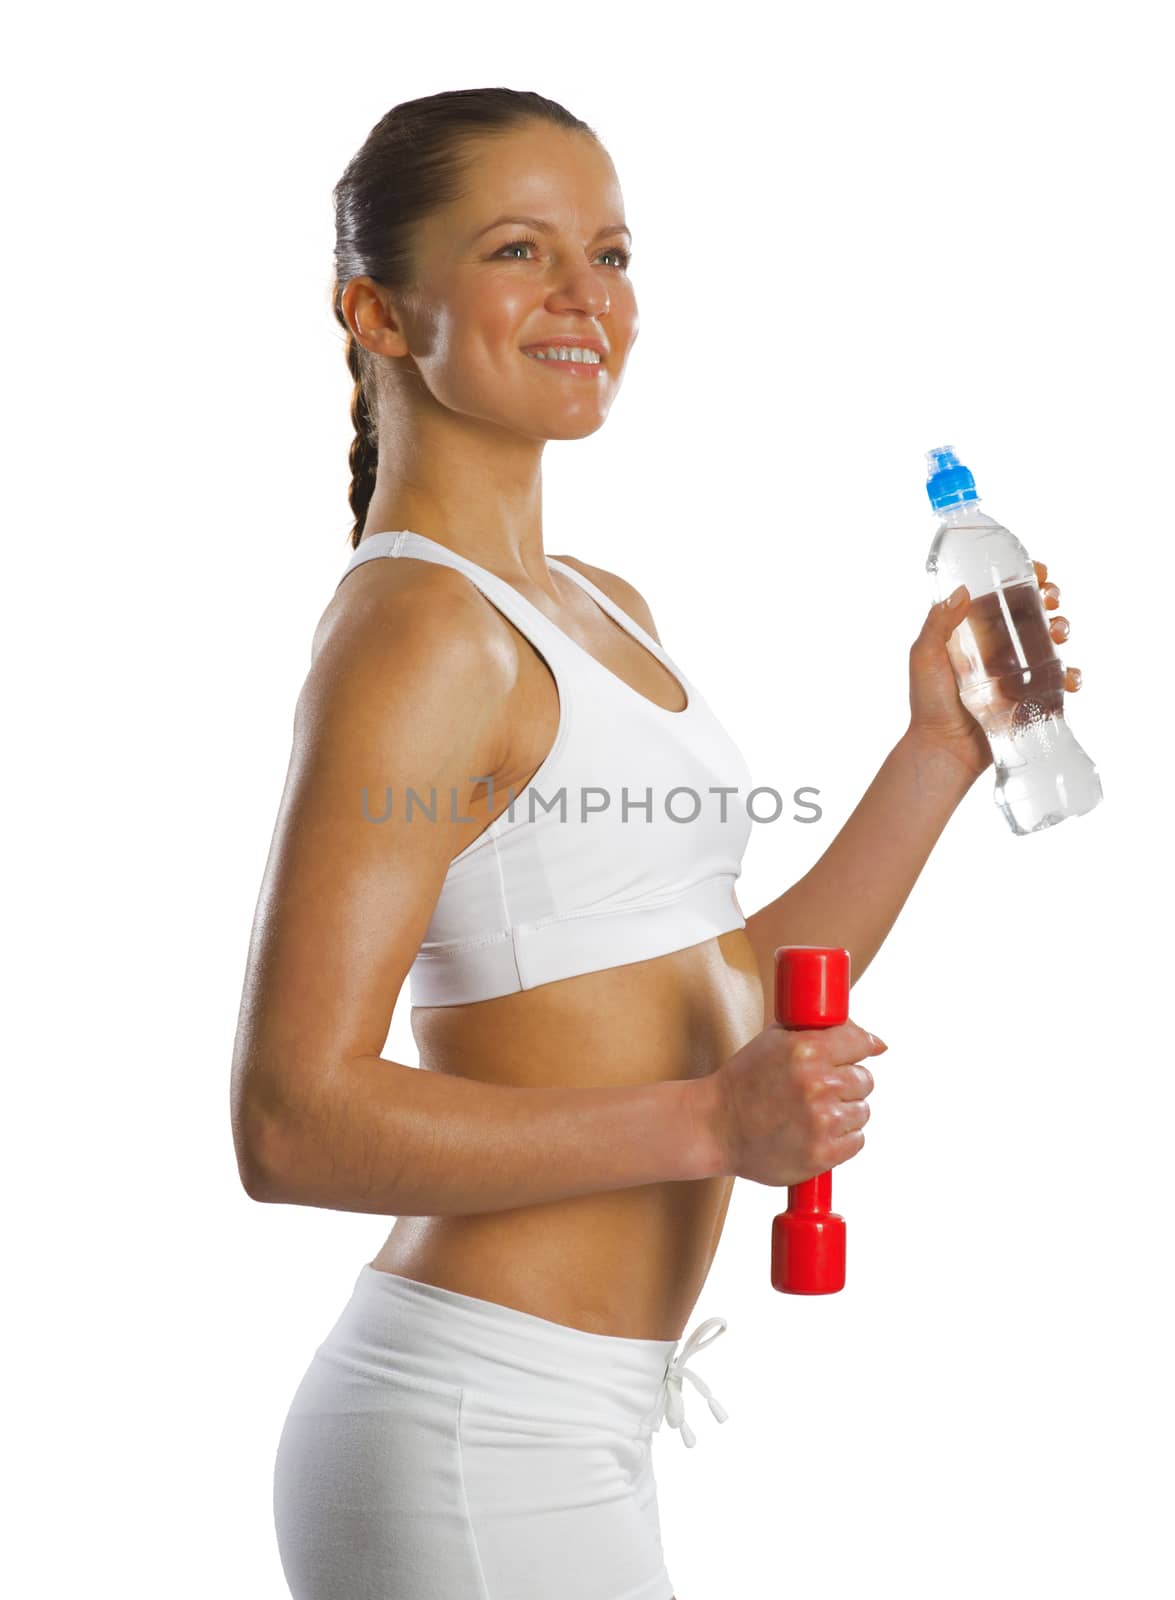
[1010, 677]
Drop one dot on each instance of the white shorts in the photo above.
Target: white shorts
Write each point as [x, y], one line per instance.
[442, 1447]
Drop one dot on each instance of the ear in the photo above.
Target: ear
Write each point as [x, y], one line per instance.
[372, 318]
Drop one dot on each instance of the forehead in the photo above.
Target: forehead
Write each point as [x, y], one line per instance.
[557, 173]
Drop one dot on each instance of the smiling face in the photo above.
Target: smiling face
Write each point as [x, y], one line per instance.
[485, 288]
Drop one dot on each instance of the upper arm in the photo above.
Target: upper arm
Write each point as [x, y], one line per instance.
[407, 689]
[625, 596]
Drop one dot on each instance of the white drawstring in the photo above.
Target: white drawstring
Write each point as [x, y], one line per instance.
[677, 1370]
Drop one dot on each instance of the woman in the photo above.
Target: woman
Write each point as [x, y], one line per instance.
[589, 1002]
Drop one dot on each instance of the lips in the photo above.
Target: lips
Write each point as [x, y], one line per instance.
[566, 343]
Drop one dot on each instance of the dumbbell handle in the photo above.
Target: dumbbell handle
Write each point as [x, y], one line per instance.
[808, 1239]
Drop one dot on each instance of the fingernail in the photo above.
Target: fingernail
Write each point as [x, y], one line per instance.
[879, 1044]
[953, 600]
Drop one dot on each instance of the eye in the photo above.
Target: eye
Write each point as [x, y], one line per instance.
[515, 243]
[533, 244]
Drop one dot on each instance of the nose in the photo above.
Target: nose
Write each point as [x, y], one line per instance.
[580, 289]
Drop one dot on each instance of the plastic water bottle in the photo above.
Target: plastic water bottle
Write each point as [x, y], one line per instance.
[1010, 677]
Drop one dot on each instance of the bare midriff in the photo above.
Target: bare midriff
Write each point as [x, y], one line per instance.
[630, 1262]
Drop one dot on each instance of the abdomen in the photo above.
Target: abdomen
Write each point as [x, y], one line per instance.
[629, 1262]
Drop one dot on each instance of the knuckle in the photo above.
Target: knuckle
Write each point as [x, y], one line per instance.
[814, 1095]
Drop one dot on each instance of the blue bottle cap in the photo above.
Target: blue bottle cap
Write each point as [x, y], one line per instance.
[948, 482]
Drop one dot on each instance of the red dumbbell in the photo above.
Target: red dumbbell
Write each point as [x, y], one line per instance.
[808, 1239]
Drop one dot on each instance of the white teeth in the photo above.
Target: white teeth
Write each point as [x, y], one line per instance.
[565, 353]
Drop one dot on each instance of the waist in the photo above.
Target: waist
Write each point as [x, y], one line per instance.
[630, 1263]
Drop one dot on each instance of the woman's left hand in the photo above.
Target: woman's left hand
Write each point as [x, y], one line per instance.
[938, 717]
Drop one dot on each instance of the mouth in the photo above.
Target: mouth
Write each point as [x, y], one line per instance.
[574, 361]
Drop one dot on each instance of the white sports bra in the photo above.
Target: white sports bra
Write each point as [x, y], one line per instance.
[620, 848]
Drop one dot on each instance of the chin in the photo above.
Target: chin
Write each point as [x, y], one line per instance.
[535, 423]
[581, 430]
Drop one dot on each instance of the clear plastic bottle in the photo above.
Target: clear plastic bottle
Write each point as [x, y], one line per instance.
[1010, 677]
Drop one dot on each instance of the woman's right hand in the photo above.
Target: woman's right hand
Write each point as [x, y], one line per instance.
[792, 1102]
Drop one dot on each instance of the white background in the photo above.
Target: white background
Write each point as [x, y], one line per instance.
[873, 230]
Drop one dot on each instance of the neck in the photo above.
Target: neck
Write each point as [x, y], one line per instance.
[470, 485]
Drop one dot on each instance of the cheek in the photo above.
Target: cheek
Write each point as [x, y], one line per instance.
[482, 327]
[623, 316]
[623, 324]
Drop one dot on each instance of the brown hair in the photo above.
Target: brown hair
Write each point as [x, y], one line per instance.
[411, 163]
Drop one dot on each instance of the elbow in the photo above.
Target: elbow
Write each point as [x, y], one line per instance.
[253, 1189]
[254, 1182]
[259, 1164]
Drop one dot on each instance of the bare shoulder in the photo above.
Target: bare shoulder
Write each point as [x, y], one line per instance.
[619, 589]
[392, 600]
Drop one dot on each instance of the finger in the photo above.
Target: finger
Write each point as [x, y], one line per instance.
[1051, 596]
[851, 1082]
[849, 1036]
[944, 617]
[1059, 628]
[1042, 571]
[1072, 679]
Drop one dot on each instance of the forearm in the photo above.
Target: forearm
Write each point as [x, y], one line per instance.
[852, 896]
[395, 1140]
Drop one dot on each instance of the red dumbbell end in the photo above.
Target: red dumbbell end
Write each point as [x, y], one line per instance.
[808, 1242]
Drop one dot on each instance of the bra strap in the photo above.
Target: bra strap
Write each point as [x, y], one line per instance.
[527, 618]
